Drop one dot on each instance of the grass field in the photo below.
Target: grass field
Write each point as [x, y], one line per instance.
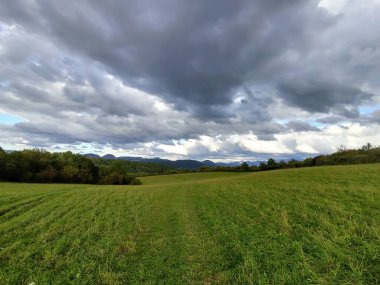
[302, 226]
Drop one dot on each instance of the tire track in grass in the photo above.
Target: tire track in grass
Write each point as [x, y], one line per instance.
[221, 231]
[202, 252]
[86, 258]
[23, 206]
[39, 210]
[153, 229]
[182, 239]
[43, 213]
[18, 240]
[154, 244]
[51, 226]
[6, 200]
[121, 235]
[22, 226]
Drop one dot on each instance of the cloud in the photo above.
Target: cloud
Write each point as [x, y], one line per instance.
[172, 73]
[197, 52]
[323, 95]
[300, 126]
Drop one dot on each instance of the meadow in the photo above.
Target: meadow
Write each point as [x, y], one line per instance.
[317, 225]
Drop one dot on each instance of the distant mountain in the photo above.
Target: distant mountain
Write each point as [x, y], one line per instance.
[132, 158]
[175, 164]
[182, 164]
[209, 163]
[92, 155]
[109, 156]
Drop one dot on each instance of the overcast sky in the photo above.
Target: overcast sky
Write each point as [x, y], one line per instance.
[224, 80]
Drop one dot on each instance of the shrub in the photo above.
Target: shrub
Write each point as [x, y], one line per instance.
[114, 179]
[135, 181]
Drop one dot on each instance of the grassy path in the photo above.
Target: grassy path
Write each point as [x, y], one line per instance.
[301, 226]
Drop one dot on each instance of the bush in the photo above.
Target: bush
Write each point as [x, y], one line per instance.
[135, 181]
[114, 179]
[119, 179]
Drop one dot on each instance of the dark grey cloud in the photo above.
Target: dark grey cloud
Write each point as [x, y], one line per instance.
[300, 126]
[198, 52]
[331, 120]
[374, 117]
[323, 95]
[125, 73]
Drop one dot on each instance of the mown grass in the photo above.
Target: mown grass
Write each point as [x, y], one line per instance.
[301, 226]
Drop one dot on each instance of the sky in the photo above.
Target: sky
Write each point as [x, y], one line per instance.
[222, 80]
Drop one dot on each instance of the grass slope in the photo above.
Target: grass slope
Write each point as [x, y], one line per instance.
[303, 226]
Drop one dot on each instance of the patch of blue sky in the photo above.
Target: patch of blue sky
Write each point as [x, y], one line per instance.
[316, 124]
[312, 122]
[9, 119]
[283, 122]
[365, 110]
[5, 83]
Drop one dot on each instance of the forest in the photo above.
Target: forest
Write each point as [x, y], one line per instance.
[41, 166]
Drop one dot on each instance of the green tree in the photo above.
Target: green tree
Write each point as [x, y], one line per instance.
[2, 164]
[244, 167]
[47, 175]
[70, 174]
[263, 166]
[272, 164]
[282, 164]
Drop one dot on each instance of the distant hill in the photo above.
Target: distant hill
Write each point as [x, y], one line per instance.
[109, 156]
[174, 164]
[214, 164]
[208, 163]
[177, 164]
[92, 155]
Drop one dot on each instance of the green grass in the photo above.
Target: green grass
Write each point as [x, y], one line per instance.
[302, 226]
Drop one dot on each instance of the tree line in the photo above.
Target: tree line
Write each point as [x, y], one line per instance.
[366, 154]
[40, 166]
